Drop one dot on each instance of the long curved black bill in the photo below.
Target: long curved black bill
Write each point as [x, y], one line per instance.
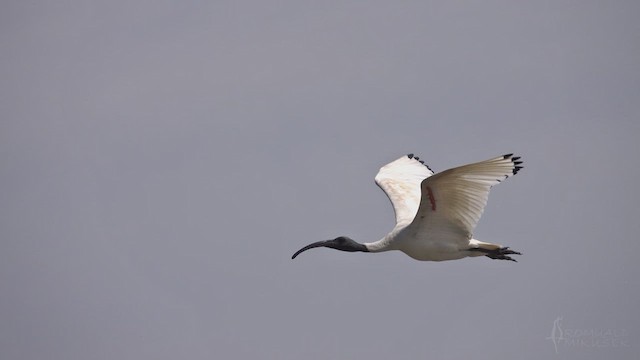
[310, 246]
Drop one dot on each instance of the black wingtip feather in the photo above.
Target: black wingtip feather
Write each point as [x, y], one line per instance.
[412, 156]
[516, 162]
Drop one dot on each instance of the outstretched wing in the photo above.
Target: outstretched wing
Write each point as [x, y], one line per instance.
[400, 180]
[453, 201]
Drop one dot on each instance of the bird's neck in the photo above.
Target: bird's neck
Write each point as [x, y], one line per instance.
[378, 246]
[389, 241]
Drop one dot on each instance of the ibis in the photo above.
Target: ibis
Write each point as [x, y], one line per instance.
[435, 213]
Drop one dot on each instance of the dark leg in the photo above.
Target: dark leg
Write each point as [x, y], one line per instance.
[498, 254]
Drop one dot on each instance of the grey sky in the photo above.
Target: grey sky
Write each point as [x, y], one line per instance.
[161, 161]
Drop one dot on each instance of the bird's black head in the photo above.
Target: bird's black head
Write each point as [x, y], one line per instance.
[340, 243]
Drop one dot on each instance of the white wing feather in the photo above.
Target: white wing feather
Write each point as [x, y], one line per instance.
[401, 180]
[452, 201]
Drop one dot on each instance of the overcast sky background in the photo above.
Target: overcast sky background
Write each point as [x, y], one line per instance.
[160, 161]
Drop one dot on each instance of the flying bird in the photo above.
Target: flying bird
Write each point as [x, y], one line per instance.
[435, 213]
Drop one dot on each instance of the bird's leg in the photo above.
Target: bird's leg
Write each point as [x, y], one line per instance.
[498, 254]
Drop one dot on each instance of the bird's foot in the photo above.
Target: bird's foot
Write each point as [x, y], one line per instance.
[502, 254]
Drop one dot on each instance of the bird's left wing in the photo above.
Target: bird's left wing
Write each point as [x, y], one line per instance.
[400, 180]
[453, 200]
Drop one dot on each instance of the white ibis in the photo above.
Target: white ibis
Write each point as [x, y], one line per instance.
[435, 214]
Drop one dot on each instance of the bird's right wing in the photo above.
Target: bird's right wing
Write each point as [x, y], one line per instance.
[400, 180]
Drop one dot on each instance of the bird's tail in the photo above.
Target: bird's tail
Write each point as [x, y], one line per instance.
[493, 251]
[483, 246]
